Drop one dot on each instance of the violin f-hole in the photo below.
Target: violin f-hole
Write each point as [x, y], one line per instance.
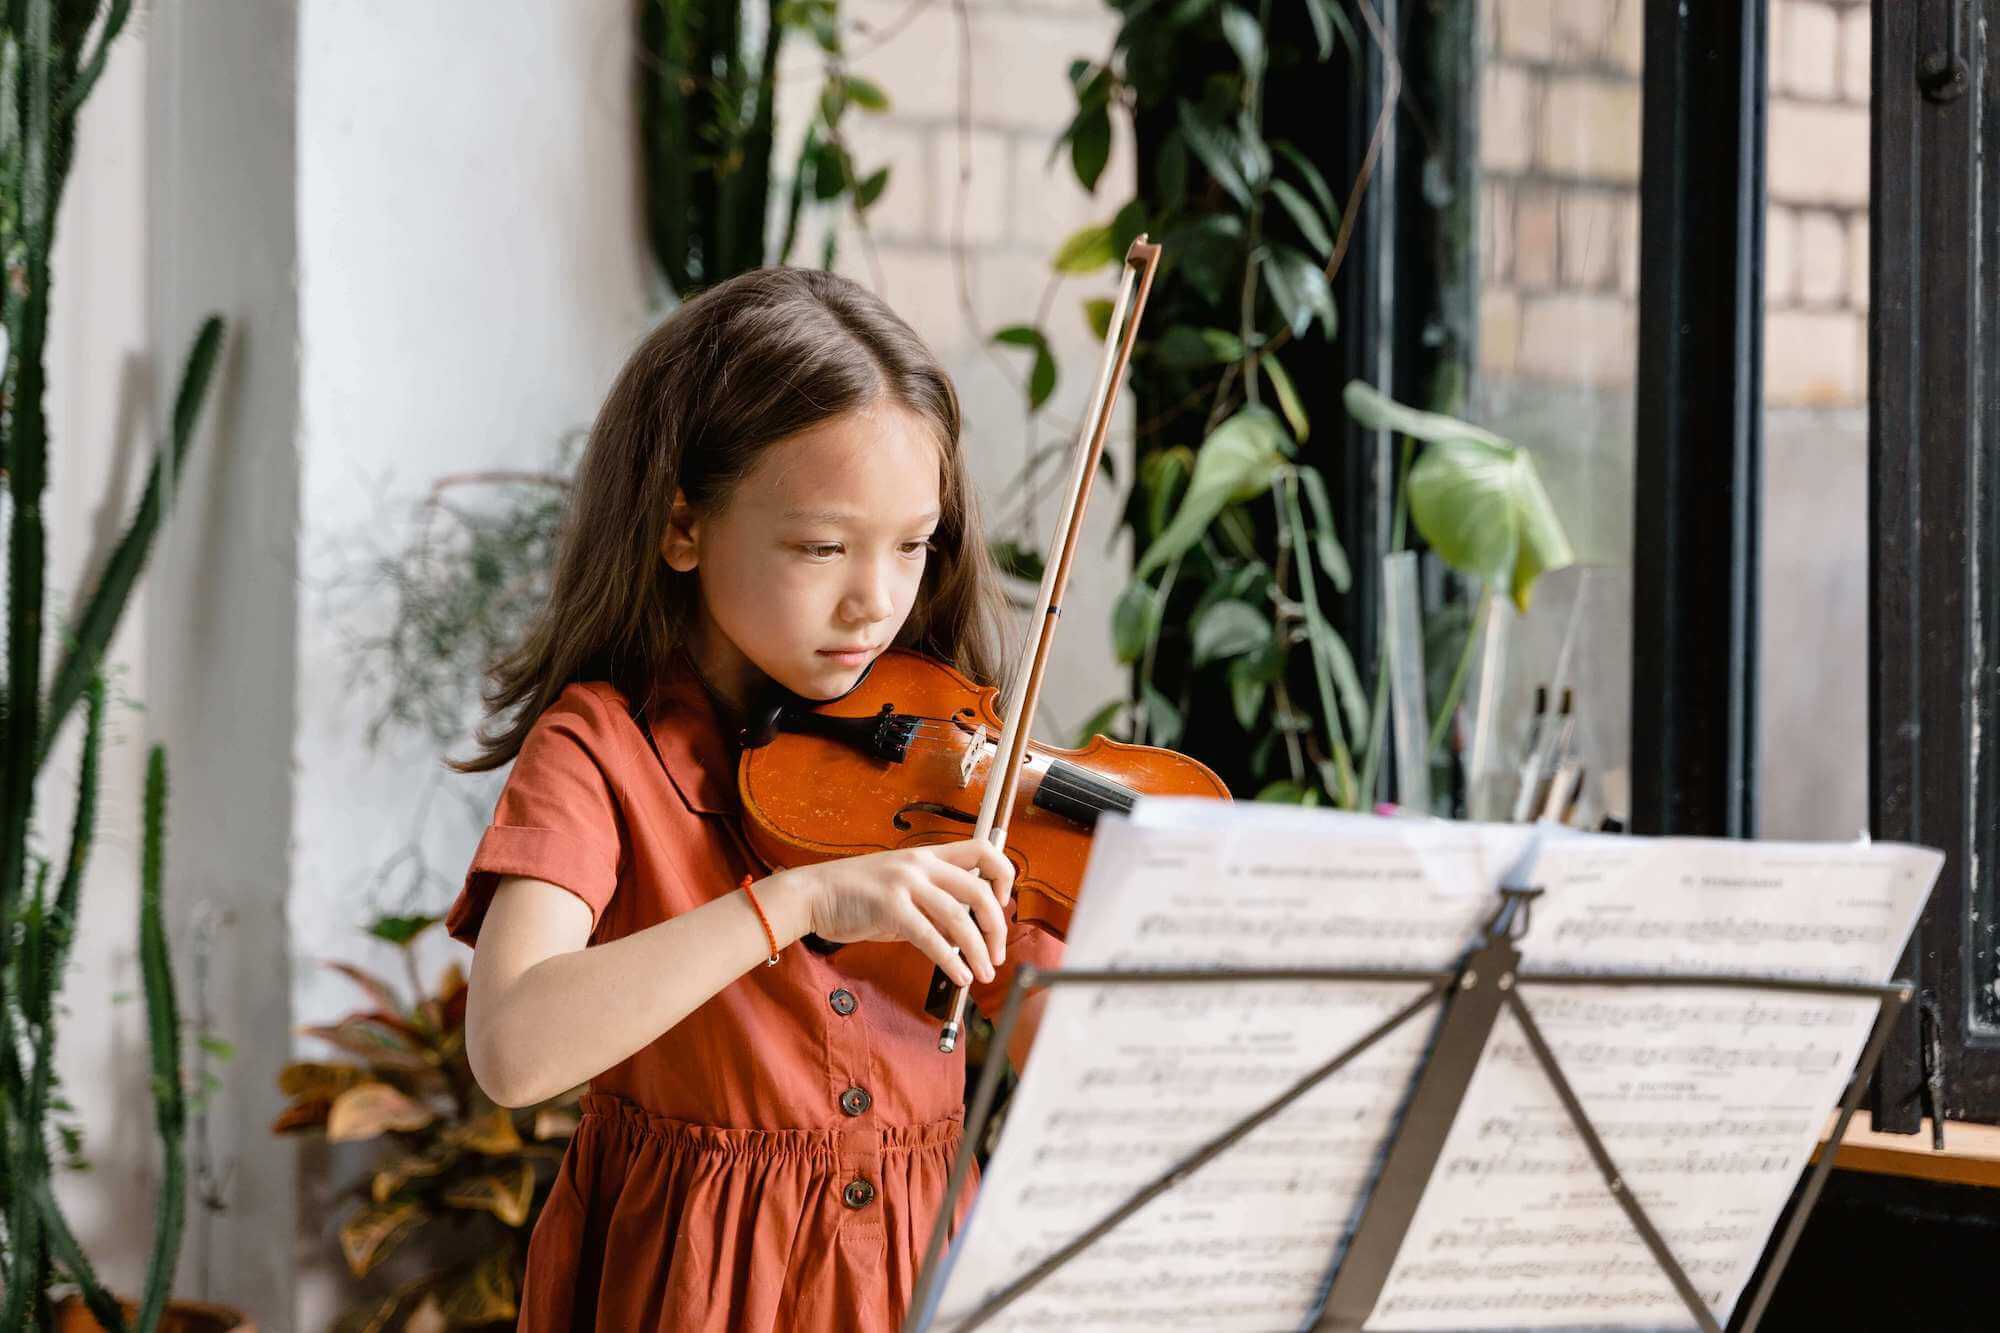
[931, 808]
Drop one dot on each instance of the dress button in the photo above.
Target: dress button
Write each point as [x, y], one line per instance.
[843, 1002]
[858, 1194]
[856, 1100]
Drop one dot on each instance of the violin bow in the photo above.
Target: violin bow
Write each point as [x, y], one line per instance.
[1003, 780]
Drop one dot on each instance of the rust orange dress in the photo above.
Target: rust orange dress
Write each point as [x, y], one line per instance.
[777, 1159]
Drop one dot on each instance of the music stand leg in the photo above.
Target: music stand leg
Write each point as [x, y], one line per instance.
[1627, 1200]
[1166, 1180]
[1891, 1008]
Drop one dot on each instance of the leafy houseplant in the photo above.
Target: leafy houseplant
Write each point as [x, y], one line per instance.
[1239, 556]
[47, 70]
[451, 1157]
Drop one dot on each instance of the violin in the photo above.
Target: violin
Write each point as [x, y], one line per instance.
[893, 762]
[903, 759]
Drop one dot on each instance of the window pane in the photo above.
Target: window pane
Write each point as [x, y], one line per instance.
[1812, 701]
[1558, 347]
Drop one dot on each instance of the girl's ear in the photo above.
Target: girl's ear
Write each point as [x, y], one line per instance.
[678, 545]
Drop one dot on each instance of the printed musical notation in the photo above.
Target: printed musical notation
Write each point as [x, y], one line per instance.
[1710, 1100]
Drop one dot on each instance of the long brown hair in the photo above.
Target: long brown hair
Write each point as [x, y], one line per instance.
[737, 368]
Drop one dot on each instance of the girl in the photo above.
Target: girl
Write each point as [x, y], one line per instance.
[773, 492]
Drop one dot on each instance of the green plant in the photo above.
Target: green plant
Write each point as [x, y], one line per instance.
[451, 1155]
[707, 83]
[47, 70]
[1239, 554]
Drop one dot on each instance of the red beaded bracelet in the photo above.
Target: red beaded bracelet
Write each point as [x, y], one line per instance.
[765, 921]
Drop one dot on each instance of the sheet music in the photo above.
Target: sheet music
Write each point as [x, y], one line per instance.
[1124, 1081]
[1709, 1100]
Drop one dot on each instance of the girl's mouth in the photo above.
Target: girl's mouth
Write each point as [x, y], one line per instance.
[846, 657]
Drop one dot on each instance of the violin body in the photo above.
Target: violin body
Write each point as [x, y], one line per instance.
[902, 760]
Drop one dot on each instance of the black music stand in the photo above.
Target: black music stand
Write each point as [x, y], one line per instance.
[1472, 995]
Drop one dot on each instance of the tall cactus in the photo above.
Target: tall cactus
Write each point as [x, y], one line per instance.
[45, 76]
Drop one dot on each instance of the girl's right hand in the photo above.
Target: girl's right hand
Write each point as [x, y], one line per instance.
[945, 898]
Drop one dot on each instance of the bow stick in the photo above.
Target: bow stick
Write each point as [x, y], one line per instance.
[1012, 747]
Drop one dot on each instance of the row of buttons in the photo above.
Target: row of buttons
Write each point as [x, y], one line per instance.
[855, 1101]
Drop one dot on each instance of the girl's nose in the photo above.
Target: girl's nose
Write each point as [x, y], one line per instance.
[872, 597]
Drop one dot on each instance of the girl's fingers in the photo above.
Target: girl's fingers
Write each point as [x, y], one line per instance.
[976, 854]
[976, 894]
[957, 924]
[918, 930]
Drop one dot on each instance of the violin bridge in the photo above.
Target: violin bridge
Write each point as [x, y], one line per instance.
[975, 750]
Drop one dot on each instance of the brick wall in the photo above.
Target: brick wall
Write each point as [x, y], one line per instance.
[1559, 149]
[959, 244]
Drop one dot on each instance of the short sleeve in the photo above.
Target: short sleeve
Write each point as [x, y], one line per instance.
[557, 818]
[1026, 943]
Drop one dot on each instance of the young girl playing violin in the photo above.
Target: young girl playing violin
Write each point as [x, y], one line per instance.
[773, 493]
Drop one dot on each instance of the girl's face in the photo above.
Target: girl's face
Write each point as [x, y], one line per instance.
[821, 549]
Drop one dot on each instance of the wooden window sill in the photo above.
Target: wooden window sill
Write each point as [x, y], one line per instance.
[1971, 1154]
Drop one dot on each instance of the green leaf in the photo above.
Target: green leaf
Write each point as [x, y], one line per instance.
[1484, 511]
[1134, 619]
[1314, 182]
[1163, 720]
[1353, 698]
[1377, 411]
[1042, 375]
[1100, 722]
[1229, 629]
[1097, 310]
[1287, 792]
[1326, 536]
[1163, 476]
[1288, 396]
[865, 93]
[1126, 226]
[1305, 218]
[1247, 688]
[1299, 287]
[871, 189]
[1214, 146]
[1086, 251]
[1185, 348]
[399, 929]
[1235, 463]
[1240, 30]
[1090, 146]
[1210, 253]
[1041, 379]
[1327, 16]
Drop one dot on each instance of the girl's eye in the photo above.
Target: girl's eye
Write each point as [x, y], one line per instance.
[927, 546]
[821, 550]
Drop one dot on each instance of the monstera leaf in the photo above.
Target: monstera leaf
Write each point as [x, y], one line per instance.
[1475, 497]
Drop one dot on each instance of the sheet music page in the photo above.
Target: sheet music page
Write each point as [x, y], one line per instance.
[1127, 1080]
[1709, 1102]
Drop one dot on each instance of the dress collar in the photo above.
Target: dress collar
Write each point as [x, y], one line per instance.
[696, 744]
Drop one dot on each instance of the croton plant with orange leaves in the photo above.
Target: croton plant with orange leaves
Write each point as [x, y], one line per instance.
[449, 1154]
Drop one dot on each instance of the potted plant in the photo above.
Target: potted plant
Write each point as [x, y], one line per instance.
[450, 1157]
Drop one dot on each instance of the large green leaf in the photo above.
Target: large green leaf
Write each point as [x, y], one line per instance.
[1086, 251]
[1483, 509]
[1377, 411]
[1235, 463]
[1229, 628]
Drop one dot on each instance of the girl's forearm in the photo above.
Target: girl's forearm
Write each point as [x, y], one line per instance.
[569, 1018]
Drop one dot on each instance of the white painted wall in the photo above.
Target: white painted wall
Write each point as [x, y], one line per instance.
[103, 389]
